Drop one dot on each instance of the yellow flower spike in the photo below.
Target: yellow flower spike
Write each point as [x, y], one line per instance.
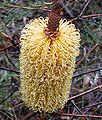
[47, 62]
[46, 69]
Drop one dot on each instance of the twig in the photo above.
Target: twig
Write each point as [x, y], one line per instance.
[12, 39]
[14, 114]
[78, 108]
[7, 47]
[78, 115]
[6, 36]
[86, 92]
[67, 10]
[85, 16]
[7, 97]
[31, 114]
[23, 7]
[4, 113]
[8, 57]
[84, 8]
[92, 15]
[27, 116]
[11, 70]
[75, 76]
[93, 48]
[18, 105]
[93, 105]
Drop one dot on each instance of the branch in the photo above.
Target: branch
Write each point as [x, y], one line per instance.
[5, 114]
[11, 70]
[85, 16]
[9, 59]
[84, 8]
[92, 15]
[86, 92]
[28, 115]
[6, 36]
[7, 97]
[7, 47]
[18, 6]
[78, 109]
[93, 105]
[78, 115]
[93, 48]
[75, 76]
[12, 39]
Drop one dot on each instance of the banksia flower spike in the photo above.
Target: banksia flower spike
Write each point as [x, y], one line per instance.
[47, 61]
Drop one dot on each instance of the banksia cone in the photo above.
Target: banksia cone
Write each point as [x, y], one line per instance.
[47, 62]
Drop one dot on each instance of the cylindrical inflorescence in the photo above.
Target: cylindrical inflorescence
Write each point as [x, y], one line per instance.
[46, 69]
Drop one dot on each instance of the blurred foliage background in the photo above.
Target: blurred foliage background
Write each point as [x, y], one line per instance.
[14, 14]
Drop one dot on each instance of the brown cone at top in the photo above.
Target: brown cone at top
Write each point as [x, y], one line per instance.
[55, 15]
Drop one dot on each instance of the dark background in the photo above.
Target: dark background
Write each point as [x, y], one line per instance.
[14, 14]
